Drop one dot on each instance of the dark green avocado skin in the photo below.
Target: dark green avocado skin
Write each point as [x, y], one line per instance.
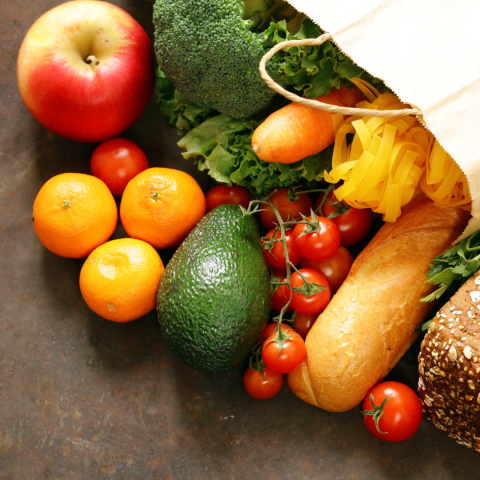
[214, 296]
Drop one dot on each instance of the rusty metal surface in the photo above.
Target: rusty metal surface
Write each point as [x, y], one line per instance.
[84, 398]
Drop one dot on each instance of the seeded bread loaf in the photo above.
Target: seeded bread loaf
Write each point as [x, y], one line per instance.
[371, 320]
[449, 367]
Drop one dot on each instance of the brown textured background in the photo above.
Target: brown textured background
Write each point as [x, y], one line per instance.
[87, 399]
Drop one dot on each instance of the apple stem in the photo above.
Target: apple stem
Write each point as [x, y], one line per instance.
[93, 60]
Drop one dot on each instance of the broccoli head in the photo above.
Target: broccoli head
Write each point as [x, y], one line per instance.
[211, 49]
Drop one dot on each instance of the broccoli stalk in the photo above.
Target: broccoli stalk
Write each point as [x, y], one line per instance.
[208, 50]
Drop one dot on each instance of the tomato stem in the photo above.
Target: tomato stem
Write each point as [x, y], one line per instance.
[280, 338]
[377, 412]
[282, 239]
[257, 364]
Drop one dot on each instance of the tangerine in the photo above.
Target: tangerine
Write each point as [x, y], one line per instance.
[119, 280]
[161, 206]
[73, 214]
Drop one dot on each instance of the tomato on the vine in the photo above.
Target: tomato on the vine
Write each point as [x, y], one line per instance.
[396, 412]
[276, 256]
[283, 352]
[288, 210]
[116, 162]
[354, 225]
[314, 303]
[303, 323]
[269, 328]
[221, 195]
[335, 268]
[317, 245]
[263, 386]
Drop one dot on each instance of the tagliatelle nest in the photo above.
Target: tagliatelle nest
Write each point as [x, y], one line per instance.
[388, 158]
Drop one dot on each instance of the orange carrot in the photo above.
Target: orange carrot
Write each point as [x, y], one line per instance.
[296, 131]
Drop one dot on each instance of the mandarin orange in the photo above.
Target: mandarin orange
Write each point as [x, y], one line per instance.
[73, 214]
[161, 206]
[119, 280]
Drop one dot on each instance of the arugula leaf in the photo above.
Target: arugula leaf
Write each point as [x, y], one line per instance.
[453, 267]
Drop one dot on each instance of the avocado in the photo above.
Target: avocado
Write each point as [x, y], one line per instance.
[214, 296]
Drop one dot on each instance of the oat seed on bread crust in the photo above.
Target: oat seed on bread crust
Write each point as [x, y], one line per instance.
[449, 367]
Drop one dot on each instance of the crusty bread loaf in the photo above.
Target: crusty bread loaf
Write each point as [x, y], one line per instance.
[371, 320]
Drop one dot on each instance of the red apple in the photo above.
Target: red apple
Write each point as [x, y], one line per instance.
[85, 70]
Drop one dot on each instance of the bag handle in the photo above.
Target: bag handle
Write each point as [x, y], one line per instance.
[315, 103]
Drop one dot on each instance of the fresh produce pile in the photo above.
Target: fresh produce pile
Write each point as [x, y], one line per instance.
[218, 138]
[313, 179]
[78, 58]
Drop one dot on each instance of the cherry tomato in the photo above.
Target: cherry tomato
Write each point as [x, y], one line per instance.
[221, 195]
[315, 303]
[335, 268]
[262, 387]
[317, 245]
[291, 354]
[276, 257]
[303, 323]
[402, 412]
[288, 210]
[353, 225]
[269, 328]
[116, 162]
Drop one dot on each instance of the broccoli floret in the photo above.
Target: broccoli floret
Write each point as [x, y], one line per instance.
[211, 49]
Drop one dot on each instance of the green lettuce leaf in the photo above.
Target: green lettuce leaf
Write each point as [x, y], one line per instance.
[180, 111]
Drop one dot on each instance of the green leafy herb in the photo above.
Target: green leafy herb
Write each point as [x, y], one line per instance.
[423, 327]
[453, 267]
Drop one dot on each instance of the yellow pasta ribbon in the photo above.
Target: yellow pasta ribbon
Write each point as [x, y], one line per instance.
[444, 182]
[388, 158]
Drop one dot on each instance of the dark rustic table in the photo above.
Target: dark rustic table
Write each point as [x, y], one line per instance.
[87, 399]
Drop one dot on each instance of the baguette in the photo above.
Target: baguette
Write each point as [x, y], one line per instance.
[371, 320]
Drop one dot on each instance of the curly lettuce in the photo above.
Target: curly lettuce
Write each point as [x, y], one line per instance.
[314, 70]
